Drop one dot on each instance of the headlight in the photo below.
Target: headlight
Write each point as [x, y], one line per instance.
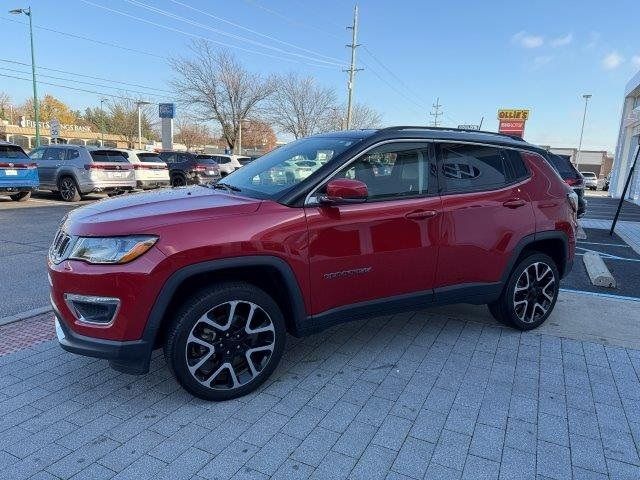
[111, 249]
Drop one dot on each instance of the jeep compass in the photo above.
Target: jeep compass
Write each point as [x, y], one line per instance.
[386, 220]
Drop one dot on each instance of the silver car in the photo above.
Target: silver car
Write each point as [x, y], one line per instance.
[590, 180]
[74, 170]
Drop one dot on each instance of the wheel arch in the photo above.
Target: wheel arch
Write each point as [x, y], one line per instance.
[553, 243]
[269, 273]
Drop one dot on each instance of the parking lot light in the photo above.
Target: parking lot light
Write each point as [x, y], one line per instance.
[36, 107]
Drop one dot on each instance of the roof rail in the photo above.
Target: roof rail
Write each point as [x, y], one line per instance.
[422, 127]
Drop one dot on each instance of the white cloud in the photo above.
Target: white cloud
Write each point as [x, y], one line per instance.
[562, 41]
[636, 61]
[541, 61]
[594, 38]
[612, 60]
[527, 40]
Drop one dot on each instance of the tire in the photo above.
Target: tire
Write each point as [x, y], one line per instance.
[178, 181]
[514, 305]
[20, 197]
[68, 189]
[205, 318]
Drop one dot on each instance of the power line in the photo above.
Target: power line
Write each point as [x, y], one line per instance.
[77, 81]
[122, 97]
[226, 34]
[86, 76]
[250, 30]
[93, 40]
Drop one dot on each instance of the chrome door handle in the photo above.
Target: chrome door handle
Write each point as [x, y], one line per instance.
[421, 214]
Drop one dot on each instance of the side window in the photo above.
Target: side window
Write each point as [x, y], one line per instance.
[517, 168]
[72, 153]
[394, 171]
[471, 168]
[170, 158]
[55, 154]
[37, 153]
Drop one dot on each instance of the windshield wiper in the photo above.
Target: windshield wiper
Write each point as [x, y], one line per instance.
[225, 186]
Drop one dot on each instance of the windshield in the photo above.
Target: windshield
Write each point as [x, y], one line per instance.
[12, 151]
[278, 170]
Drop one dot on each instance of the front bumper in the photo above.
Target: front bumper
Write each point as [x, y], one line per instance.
[132, 357]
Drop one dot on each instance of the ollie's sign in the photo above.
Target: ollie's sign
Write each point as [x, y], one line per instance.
[512, 121]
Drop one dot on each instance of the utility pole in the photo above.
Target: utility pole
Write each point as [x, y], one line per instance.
[239, 139]
[102, 100]
[139, 104]
[436, 113]
[584, 117]
[352, 68]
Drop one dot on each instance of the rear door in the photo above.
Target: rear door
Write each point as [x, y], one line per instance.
[385, 247]
[485, 212]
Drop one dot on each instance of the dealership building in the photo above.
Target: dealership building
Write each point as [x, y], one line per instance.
[627, 144]
[24, 134]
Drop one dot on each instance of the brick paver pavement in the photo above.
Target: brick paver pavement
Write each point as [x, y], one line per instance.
[410, 396]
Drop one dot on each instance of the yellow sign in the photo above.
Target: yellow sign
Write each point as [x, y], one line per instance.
[513, 114]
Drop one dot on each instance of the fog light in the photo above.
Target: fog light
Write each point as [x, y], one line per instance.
[90, 309]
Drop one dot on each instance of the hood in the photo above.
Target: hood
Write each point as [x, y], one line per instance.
[149, 211]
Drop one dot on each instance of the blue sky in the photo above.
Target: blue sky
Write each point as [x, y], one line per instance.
[475, 56]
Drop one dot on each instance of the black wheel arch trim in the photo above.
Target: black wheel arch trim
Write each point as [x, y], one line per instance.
[531, 240]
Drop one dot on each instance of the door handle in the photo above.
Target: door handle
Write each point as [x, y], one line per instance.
[514, 203]
[421, 214]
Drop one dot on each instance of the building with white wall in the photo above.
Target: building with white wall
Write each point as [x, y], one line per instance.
[628, 138]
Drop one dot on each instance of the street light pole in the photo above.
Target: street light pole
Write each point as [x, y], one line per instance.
[584, 117]
[102, 100]
[36, 107]
[139, 104]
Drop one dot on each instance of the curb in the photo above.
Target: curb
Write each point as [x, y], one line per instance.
[598, 272]
[24, 315]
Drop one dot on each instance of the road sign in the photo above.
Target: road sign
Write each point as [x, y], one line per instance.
[54, 127]
[512, 127]
[167, 110]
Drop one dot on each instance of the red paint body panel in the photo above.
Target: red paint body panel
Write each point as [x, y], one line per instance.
[400, 253]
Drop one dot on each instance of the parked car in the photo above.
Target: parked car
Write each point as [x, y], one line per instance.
[18, 174]
[75, 170]
[571, 176]
[148, 168]
[228, 163]
[218, 274]
[186, 168]
[590, 180]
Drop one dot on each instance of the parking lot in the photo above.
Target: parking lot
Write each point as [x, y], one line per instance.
[441, 393]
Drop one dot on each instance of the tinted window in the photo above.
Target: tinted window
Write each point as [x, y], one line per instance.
[37, 153]
[222, 160]
[72, 153]
[149, 157]
[54, 154]
[392, 172]
[168, 157]
[563, 166]
[206, 159]
[12, 151]
[518, 170]
[111, 156]
[468, 168]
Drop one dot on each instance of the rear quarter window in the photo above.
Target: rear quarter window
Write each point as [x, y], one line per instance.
[149, 157]
[109, 156]
[517, 168]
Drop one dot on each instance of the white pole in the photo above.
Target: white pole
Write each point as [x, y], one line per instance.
[584, 117]
[139, 128]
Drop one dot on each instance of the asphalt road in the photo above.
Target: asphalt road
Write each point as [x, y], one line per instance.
[26, 233]
[601, 207]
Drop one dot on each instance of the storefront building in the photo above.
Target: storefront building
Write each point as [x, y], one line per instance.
[24, 134]
[627, 144]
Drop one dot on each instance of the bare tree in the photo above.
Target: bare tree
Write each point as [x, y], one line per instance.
[299, 105]
[216, 86]
[191, 134]
[5, 104]
[362, 116]
[123, 120]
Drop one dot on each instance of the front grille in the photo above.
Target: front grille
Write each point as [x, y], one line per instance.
[59, 247]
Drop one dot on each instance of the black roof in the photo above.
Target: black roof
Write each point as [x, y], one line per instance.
[431, 133]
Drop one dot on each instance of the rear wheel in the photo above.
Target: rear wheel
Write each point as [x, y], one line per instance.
[530, 293]
[68, 189]
[226, 341]
[20, 197]
[178, 181]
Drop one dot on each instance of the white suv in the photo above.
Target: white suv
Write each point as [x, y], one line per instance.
[228, 163]
[148, 168]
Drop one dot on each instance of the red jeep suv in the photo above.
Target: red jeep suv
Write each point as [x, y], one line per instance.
[376, 222]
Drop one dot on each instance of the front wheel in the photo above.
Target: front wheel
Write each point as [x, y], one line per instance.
[68, 189]
[530, 294]
[20, 197]
[225, 341]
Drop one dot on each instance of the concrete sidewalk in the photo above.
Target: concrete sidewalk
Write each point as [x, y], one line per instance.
[434, 394]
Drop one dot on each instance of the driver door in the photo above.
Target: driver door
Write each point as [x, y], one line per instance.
[385, 247]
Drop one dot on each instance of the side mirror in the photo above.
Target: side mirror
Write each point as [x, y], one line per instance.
[344, 191]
